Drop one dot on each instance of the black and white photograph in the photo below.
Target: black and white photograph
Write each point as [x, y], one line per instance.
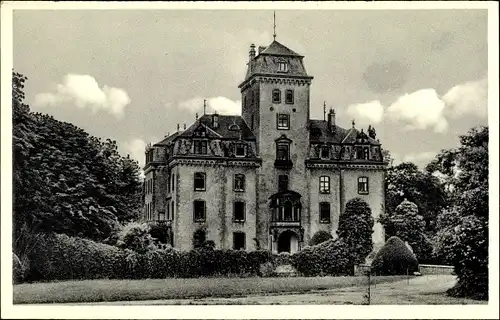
[250, 156]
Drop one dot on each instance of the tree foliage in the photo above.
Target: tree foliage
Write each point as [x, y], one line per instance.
[320, 237]
[394, 258]
[463, 235]
[406, 181]
[66, 180]
[356, 228]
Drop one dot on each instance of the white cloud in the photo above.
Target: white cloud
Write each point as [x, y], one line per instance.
[83, 91]
[222, 105]
[136, 148]
[420, 110]
[368, 112]
[468, 98]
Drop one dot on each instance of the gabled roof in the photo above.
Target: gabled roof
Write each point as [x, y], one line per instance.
[167, 140]
[226, 129]
[320, 133]
[277, 49]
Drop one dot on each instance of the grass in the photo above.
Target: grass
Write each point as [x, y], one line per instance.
[165, 289]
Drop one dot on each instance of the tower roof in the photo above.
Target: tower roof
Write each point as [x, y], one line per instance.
[277, 49]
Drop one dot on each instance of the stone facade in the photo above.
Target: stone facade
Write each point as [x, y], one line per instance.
[270, 178]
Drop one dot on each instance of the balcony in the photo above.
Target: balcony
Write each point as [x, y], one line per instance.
[283, 164]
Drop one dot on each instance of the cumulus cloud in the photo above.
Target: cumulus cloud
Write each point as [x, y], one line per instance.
[369, 112]
[420, 110]
[468, 98]
[222, 105]
[83, 91]
[135, 148]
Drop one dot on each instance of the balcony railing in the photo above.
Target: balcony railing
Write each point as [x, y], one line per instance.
[283, 164]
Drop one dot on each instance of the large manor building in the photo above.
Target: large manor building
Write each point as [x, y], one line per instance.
[270, 178]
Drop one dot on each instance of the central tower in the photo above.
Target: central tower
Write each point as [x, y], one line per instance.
[275, 105]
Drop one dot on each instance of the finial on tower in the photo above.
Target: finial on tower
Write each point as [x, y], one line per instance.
[353, 123]
[274, 20]
[324, 110]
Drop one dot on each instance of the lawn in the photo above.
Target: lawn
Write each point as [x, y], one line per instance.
[166, 289]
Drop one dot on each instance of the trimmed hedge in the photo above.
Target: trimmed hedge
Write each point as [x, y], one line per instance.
[394, 258]
[331, 258]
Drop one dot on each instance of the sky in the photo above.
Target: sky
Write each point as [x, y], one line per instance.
[420, 77]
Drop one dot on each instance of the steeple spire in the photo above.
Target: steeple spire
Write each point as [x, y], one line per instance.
[274, 20]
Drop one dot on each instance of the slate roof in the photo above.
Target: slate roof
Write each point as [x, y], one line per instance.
[167, 140]
[277, 49]
[320, 133]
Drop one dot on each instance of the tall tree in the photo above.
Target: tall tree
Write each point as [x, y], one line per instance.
[65, 180]
[462, 238]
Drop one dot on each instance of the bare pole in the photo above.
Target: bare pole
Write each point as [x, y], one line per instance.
[274, 22]
[204, 106]
[324, 110]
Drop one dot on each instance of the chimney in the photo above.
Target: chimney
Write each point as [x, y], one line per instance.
[178, 127]
[331, 120]
[215, 120]
[184, 126]
[252, 51]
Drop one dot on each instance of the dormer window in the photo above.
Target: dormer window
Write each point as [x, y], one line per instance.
[363, 153]
[215, 120]
[325, 152]
[239, 150]
[282, 66]
[200, 146]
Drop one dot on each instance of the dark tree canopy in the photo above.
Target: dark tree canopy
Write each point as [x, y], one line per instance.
[65, 180]
[320, 237]
[394, 258]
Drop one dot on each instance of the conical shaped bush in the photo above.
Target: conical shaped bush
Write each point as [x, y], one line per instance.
[394, 258]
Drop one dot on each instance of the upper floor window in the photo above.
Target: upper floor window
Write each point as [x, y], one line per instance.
[172, 212]
[199, 181]
[363, 153]
[363, 185]
[239, 182]
[283, 121]
[173, 181]
[282, 151]
[276, 96]
[325, 152]
[199, 210]
[324, 184]
[200, 146]
[238, 240]
[324, 212]
[289, 96]
[283, 182]
[282, 66]
[239, 150]
[239, 211]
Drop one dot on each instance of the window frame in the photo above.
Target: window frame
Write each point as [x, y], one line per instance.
[324, 184]
[279, 118]
[278, 92]
[323, 148]
[243, 212]
[200, 174]
[242, 146]
[242, 178]
[243, 237]
[283, 66]
[203, 147]
[363, 181]
[323, 205]
[292, 95]
[285, 145]
[204, 217]
[283, 179]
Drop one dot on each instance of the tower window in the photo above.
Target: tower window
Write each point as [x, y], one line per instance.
[363, 185]
[199, 210]
[239, 211]
[282, 66]
[238, 240]
[239, 182]
[283, 182]
[200, 147]
[324, 184]
[324, 212]
[283, 151]
[283, 121]
[276, 96]
[289, 97]
[199, 181]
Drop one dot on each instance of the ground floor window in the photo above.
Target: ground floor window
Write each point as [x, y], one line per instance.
[238, 240]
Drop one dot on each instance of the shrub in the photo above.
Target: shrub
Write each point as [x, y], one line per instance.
[282, 258]
[160, 231]
[328, 258]
[320, 237]
[18, 270]
[137, 237]
[394, 258]
[355, 229]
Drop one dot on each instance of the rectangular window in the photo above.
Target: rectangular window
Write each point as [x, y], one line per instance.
[283, 121]
[199, 210]
[283, 182]
[199, 181]
[238, 240]
[276, 96]
[173, 181]
[363, 185]
[366, 153]
[173, 210]
[282, 66]
[289, 97]
[161, 215]
[239, 150]
[239, 182]
[324, 212]
[200, 147]
[167, 211]
[283, 151]
[324, 184]
[239, 211]
[325, 152]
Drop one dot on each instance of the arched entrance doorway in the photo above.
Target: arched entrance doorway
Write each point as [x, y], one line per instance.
[288, 241]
